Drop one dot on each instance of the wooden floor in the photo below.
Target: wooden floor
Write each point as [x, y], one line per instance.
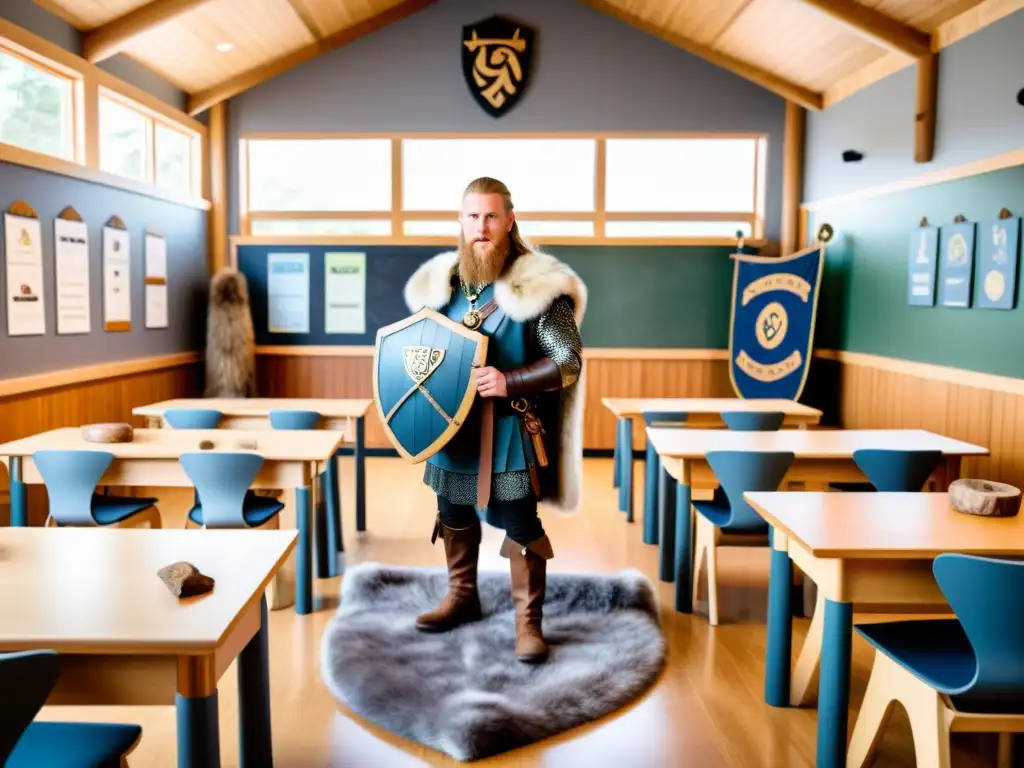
[707, 709]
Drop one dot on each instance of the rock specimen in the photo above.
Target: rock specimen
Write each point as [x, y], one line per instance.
[185, 580]
[107, 433]
[984, 498]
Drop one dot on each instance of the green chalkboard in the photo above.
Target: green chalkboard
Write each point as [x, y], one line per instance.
[863, 305]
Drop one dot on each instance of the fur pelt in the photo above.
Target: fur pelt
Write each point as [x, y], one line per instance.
[463, 692]
[524, 291]
[230, 340]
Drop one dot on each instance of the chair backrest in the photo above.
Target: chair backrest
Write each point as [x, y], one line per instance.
[71, 477]
[741, 471]
[26, 680]
[891, 470]
[665, 418]
[192, 418]
[763, 421]
[222, 480]
[987, 596]
[294, 419]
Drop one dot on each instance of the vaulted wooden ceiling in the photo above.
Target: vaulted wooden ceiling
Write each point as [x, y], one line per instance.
[813, 52]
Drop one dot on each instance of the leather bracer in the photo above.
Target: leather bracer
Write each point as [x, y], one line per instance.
[539, 376]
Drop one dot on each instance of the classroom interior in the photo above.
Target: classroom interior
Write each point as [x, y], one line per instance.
[147, 146]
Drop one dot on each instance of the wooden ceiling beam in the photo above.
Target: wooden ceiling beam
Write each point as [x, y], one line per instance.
[202, 100]
[798, 94]
[106, 41]
[924, 115]
[306, 18]
[876, 27]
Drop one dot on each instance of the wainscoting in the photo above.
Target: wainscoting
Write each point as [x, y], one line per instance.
[97, 393]
[347, 372]
[878, 392]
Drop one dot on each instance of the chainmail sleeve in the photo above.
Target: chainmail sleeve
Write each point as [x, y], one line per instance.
[559, 338]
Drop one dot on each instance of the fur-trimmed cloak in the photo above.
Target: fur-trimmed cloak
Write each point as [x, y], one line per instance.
[524, 291]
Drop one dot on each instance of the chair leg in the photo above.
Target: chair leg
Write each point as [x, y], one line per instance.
[712, 569]
[873, 717]
[803, 687]
[699, 547]
[928, 722]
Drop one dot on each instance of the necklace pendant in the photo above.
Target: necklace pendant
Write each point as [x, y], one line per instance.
[472, 319]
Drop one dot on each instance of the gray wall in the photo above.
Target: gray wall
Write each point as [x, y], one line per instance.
[592, 72]
[27, 15]
[978, 116]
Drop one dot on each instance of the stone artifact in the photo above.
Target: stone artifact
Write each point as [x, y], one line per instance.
[107, 433]
[984, 498]
[185, 580]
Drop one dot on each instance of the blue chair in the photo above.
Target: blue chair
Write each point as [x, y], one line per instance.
[27, 678]
[327, 515]
[652, 470]
[71, 477]
[892, 470]
[765, 421]
[222, 481]
[729, 514]
[960, 674]
[193, 418]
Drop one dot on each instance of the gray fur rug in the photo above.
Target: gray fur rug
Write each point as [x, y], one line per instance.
[464, 692]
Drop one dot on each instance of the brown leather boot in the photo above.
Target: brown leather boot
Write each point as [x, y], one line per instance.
[462, 603]
[528, 566]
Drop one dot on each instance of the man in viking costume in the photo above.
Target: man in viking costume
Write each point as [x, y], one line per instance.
[522, 442]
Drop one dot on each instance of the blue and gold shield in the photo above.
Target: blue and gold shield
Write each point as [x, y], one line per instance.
[423, 381]
[774, 303]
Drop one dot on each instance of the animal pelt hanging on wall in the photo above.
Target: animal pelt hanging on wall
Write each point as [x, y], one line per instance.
[230, 340]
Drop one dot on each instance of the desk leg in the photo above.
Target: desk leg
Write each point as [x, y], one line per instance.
[617, 455]
[667, 521]
[626, 487]
[323, 549]
[360, 460]
[684, 543]
[197, 713]
[335, 542]
[255, 745]
[652, 464]
[19, 497]
[834, 685]
[303, 561]
[779, 649]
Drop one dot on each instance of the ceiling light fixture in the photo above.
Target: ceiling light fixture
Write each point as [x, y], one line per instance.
[225, 47]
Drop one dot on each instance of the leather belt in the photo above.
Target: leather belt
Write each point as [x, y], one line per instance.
[484, 468]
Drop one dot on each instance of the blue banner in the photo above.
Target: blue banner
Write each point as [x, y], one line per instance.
[774, 304]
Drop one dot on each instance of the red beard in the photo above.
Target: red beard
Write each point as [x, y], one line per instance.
[481, 264]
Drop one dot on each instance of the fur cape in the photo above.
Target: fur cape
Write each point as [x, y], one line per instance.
[524, 291]
[230, 340]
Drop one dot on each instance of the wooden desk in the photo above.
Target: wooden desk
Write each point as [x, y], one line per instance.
[860, 548]
[290, 459]
[93, 595]
[822, 456]
[701, 412]
[344, 415]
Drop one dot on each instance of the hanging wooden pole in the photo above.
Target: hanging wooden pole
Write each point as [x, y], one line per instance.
[924, 117]
[792, 177]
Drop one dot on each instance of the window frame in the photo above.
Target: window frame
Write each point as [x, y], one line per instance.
[598, 215]
[88, 80]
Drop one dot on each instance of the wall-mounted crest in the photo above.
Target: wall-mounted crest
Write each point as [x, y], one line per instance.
[497, 59]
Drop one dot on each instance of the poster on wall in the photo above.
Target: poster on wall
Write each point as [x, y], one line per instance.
[288, 292]
[117, 286]
[24, 256]
[71, 257]
[956, 265]
[345, 293]
[156, 281]
[998, 252]
[922, 260]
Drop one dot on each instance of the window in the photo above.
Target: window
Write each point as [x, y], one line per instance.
[543, 174]
[36, 107]
[571, 189]
[137, 144]
[320, 175]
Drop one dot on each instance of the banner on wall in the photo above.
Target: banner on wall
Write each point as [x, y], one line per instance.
[771, 328]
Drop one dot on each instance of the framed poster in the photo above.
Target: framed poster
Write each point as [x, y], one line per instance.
[956, 264]
[921, 263]
[998, 255]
